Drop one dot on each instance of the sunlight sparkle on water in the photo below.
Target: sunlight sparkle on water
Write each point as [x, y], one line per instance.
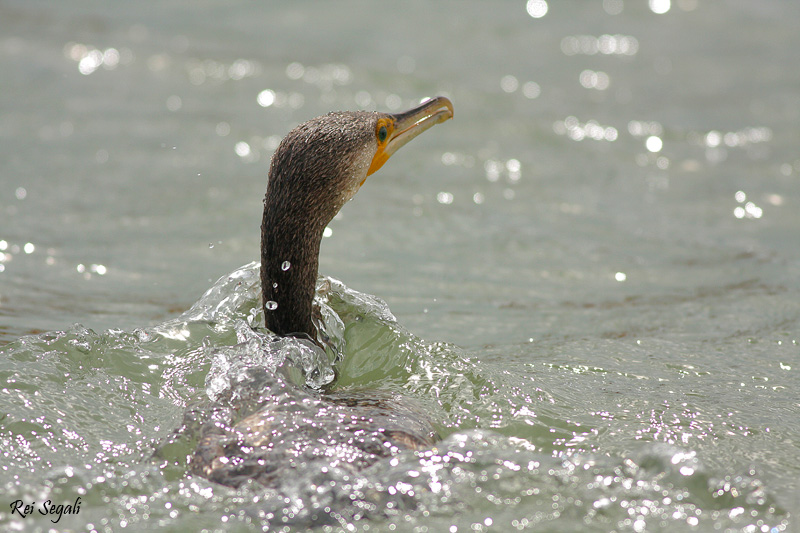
[223, 129]
[590, 79]
[717, 143]
[536, 8]
[775, 199]
[364, 100]
[266, 98]
[445, 198]
[653, 144]
[92, 269]
[174, 103]
[577, 131]
[89, 59]
[495, 169]
[605, 44]
[713, 138]
[514, 168]
[531, 90]
[201, 70]
[323, 76]
[659, 7]
[393, 102]
[613, 7]
[749, 209]
[458, 158]
[295, 71]
[639, 128]
[242, 149]
[509, 84]
[242, 68]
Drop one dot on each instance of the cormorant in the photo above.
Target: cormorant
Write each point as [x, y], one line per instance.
[315, 170]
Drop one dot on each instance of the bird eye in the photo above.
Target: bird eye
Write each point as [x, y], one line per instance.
[382, 133]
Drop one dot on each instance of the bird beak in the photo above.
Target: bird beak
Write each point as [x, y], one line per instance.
[408, 125]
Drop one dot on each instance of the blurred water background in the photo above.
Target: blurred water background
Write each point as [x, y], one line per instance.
[593, 267]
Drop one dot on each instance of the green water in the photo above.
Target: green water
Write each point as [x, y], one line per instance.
[590, 273]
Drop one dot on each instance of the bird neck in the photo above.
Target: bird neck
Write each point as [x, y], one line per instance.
[290, 244]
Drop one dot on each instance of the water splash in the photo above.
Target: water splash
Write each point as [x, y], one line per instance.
[510, 453]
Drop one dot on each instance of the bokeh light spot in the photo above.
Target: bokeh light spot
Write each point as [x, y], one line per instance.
[659, 7]
[537, 8]
[266, 98]
[531, 90]
[509, 83]
[295, 71]
[653, 144]
[613, 7]
[242, 149]
[445, 198]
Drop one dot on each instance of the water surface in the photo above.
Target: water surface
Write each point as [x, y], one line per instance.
[591, 271]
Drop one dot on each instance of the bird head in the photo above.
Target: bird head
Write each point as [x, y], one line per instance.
[321, 164]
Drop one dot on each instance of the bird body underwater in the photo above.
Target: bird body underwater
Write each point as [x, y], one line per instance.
[317, 168]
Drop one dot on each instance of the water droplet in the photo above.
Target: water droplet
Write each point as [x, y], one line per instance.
[271, 305]
[211, 245]
[286, 265]
[275, 285]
